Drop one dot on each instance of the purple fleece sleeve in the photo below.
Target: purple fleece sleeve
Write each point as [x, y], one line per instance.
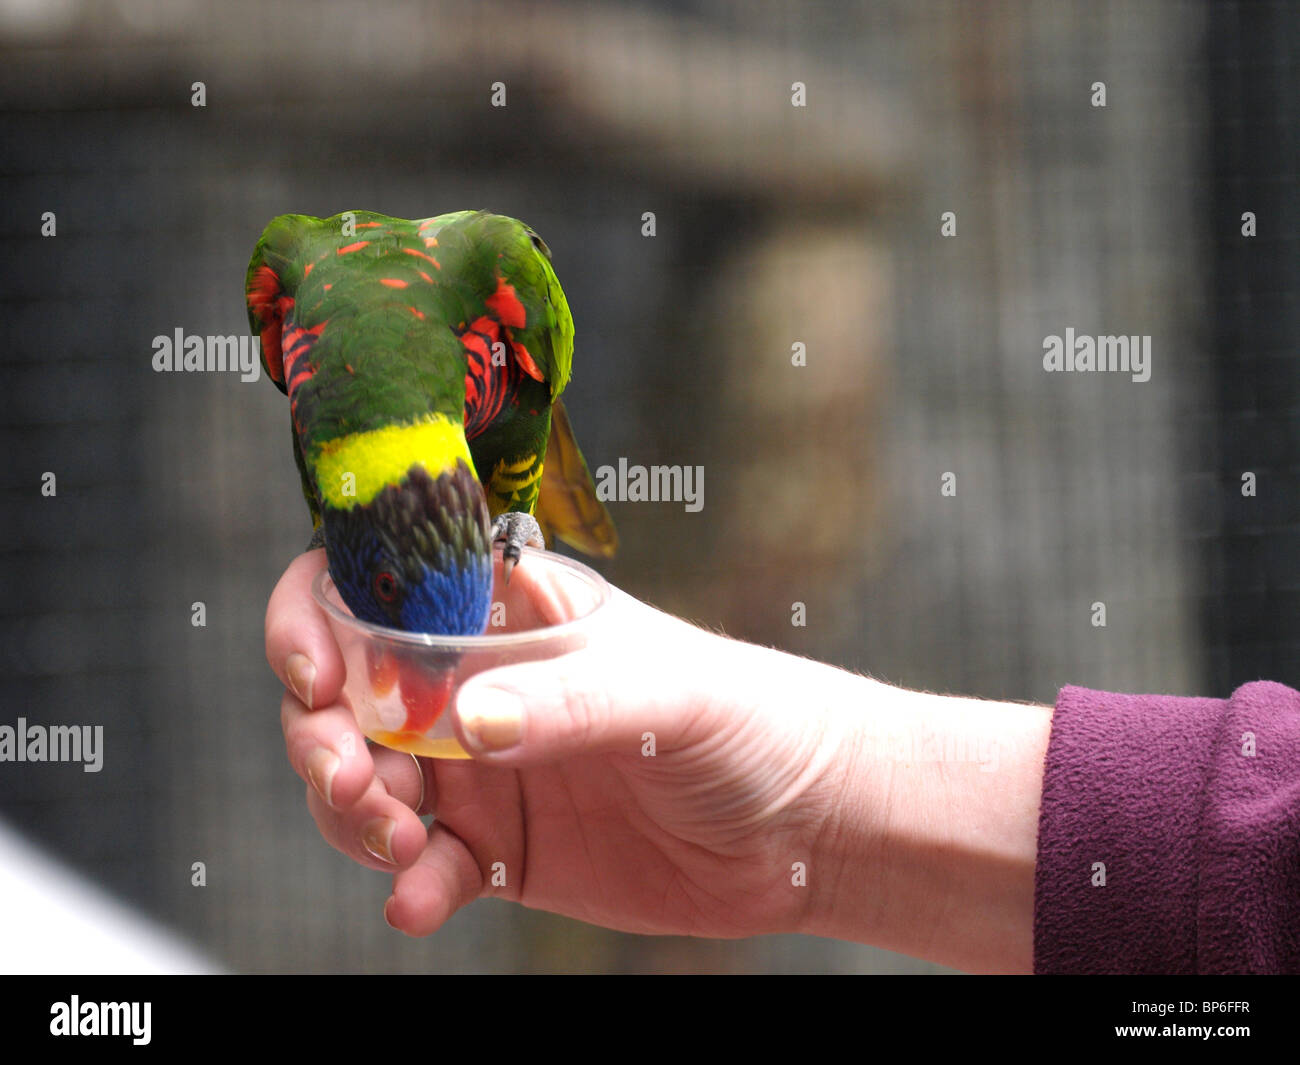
[1169, 834]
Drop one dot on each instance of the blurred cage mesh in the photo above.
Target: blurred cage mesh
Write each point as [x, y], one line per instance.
[775, 226]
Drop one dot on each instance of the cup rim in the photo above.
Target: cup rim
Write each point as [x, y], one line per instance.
[465, 643]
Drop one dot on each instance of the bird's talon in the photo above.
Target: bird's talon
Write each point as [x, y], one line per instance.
[514, 530]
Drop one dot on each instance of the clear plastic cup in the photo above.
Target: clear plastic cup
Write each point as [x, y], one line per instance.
[402, 686]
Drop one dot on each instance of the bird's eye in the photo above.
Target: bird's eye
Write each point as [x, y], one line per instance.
[385, 587]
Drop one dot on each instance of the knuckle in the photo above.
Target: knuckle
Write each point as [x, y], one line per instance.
[588, 708]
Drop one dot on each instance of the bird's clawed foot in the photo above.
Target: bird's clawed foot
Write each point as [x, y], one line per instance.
[514, 529]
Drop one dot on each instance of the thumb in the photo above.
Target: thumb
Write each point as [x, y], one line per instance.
[539, 712]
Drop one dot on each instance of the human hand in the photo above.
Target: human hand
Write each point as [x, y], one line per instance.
[662, 780]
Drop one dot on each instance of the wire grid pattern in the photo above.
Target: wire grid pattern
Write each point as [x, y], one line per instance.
[178, 488]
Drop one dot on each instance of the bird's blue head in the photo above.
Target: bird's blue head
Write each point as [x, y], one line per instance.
[418, 556]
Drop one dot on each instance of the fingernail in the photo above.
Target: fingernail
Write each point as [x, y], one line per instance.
[388, 920]
[302, 675]
[322, 764]
[377, 838]
[493, 721]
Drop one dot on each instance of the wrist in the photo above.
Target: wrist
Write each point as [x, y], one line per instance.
[930, 845]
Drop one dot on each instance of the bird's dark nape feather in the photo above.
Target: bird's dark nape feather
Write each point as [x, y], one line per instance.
[426, 530]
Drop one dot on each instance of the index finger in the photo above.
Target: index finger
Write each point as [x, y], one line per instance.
[299, 644]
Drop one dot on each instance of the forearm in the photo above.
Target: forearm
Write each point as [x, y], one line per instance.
[930, 845]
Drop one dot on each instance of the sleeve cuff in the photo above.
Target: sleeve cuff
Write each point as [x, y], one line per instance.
[1124, 784]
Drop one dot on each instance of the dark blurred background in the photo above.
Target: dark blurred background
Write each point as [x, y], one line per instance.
[775, 225]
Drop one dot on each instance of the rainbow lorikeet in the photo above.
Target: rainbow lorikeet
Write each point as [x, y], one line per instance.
[424, 363]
